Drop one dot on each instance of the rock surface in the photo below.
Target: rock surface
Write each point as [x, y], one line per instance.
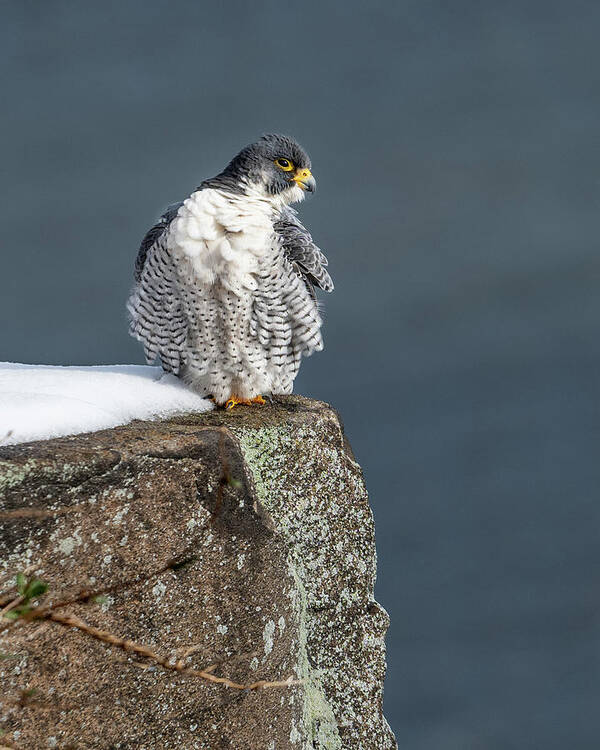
[242, 540]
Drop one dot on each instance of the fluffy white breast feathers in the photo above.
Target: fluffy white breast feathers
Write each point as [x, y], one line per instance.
[222, 237]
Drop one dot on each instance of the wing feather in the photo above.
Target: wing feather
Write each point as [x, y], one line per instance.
[286, 317]
[157, 317]
[153, 235]
[307, 259]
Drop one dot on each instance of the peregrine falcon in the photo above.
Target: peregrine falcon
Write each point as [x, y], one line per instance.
[225, 281]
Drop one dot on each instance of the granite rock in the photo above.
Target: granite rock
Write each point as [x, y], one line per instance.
[238, 540]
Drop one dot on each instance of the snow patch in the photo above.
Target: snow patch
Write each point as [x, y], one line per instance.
[39, 402]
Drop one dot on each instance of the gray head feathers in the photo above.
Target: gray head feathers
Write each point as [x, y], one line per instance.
[273, 163]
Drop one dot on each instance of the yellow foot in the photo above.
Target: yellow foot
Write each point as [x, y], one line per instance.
[235, 400]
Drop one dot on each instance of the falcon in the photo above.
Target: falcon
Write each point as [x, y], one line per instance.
[225, 281]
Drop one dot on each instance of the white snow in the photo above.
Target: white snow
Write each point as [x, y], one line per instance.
[38, 402]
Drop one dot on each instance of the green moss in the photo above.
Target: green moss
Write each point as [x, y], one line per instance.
[263, 450]
[320, 726]
[12, 475]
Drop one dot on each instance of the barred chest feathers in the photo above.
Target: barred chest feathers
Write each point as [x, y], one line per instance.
[244, 303]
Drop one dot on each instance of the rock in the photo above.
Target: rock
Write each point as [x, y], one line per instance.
[239, 539]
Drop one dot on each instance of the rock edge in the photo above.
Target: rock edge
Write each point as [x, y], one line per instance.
[246, 535]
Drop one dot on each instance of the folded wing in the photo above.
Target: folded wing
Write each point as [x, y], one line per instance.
[297, 243]
[157, 318]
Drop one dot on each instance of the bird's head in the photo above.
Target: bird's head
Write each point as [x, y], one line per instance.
[274, 167]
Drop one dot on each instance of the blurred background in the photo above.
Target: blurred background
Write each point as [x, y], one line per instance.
[456, 147]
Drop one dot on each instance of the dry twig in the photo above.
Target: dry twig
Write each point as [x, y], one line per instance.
[11, 605]
[71, 621]
[48, 613]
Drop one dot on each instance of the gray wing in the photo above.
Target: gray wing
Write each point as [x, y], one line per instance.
[157, 317]
[286, 317]
[308, 261]
[154, 234]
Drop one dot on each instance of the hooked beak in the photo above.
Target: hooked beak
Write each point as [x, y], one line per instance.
[304, 179]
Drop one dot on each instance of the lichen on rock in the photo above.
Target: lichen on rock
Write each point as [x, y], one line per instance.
[244, 538]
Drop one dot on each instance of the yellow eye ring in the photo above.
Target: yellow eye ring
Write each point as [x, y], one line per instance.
[284, 164]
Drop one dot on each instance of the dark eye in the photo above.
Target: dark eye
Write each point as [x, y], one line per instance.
[284, 164]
